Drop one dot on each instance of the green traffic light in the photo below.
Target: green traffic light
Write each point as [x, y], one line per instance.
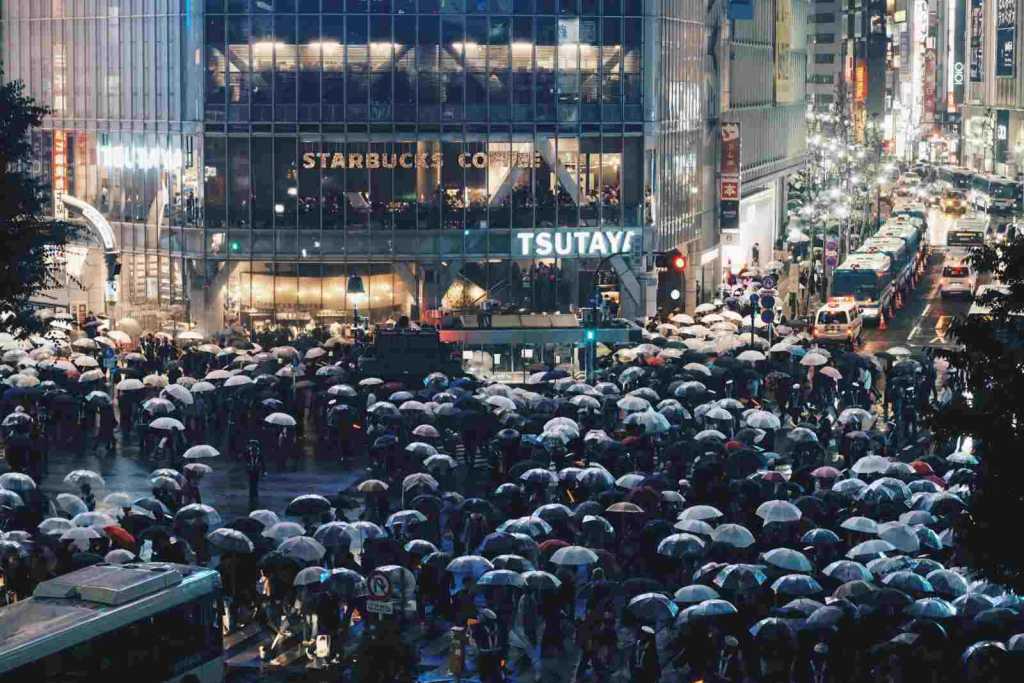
[235, 245]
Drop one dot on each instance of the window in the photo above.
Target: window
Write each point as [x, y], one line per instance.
[825, 38]
[832, 318]
[823, 18]
[824, 59]
[822, 79]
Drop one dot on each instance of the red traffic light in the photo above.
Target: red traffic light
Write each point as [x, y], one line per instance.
[672, 259]
[679, 262]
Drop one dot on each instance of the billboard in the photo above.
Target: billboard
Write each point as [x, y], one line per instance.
[977, 40]
[784, 25]
[1006, 36]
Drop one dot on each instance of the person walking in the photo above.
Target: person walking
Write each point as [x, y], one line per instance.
[644, 666]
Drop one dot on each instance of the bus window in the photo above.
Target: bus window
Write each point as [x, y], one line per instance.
[832, 318]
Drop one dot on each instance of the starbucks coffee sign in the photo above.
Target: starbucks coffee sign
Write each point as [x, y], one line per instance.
[574, 243]
[374, 160]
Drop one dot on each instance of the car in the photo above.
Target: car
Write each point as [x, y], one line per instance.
[838, 321]
[958, 278]
[954, 201]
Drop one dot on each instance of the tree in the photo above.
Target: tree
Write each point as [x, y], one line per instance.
[28, 238]
[991, 359]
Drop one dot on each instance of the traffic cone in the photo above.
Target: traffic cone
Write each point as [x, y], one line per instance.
[881, 321]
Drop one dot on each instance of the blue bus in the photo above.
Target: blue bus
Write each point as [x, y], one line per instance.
[867, 280]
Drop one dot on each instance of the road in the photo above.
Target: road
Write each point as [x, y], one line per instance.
[923, 320]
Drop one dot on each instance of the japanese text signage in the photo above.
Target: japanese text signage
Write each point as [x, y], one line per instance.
[1006, 35]
[729, 177]
[977, 40]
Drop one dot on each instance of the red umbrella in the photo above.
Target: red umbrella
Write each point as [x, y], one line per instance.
[391, 387]
[922, 468]
[825, 472]
[936, 480]
[120, 537]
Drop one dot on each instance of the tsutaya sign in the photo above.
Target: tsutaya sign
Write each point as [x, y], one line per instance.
[574, 243]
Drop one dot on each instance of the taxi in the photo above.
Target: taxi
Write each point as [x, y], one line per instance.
[838, 321]
[954, 201]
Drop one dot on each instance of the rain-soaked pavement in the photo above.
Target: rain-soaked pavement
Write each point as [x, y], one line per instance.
[226, 488]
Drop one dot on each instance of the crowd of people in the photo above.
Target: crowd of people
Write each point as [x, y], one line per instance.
[707, 506]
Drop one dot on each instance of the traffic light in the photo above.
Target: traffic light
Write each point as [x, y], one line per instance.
[673, 260]
[589, 336]
[235, 246]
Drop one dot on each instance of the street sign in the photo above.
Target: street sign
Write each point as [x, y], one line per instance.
[380, 606]
[768, 301]
[768, 316]
[831, 260]
[379, 585]
[768, 282]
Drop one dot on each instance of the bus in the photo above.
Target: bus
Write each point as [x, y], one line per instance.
[968, 233]
[867, 280]
[993, 194]
[909, 232]
[959, 178]
[898, 252]
[132, 622]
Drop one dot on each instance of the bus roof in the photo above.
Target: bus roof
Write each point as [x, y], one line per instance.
[882, 244]
[866, 261]
[974, 222]
[901, 230]
[81, 605]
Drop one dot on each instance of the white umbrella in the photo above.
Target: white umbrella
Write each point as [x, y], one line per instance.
[200, 451]
[574, 556]
[302, 548]
[77, 478]
[167, 424]
[751, 356]
[813, 359]
[280, 419]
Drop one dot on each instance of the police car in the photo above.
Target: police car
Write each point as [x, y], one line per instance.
[838, 321]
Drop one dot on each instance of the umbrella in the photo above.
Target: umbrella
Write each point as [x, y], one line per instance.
[418, 546]
[130, 384]
[869, 550]
[55, 525]
[81, 534]
[469, 565]
[10, 499]
[694, 526]
[281, 531]
[335, 535]
[539, 476]
[930, 608]
[946, 583]
[701, 512]
[539, 580]
[797, 585]
[119, 556]
[788, 560]
[574, 556]
[372, 486]
[167, 424]
[178, 393]
[707, 609]
[863, 525]
[531, 526]
[908, 582]
[733, 535]
[197, 469]
[79, 478]
[847, 570]
[17, 482]
[302, 548]
[762, 419]
[682, 546]
[405, 517]
[501, 577]
[740, 577]
[230, 540]
[652, 607]
[346, 583]
[93, 519]
[778, 511]
[280, 420]
[311, 576]
[871, 464]
[516, 563]
[200, 451]
[694, 594]
[309, 504]
[813, 359]
[198, 514]
[265, 517]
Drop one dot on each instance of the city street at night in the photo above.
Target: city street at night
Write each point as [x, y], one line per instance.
[511, 341]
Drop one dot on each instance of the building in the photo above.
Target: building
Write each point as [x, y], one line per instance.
[993, 111]
[873, 81]
[764, 94]
[303, 162]
[826, 56]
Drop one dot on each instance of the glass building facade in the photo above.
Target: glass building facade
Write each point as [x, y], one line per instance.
[258, 154]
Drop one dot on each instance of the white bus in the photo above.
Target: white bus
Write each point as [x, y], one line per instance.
[149, 622]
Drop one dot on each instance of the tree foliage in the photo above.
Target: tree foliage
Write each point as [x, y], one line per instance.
[991, 358]
[27, 237]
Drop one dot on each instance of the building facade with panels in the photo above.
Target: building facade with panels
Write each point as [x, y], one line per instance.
[265, 160]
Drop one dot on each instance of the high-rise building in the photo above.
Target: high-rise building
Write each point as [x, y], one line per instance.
[826, 56]
[763, 101]
[299, 161]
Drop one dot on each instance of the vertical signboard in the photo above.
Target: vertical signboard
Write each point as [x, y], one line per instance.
[977, 40]
[1001, 148]
[729, 177]
[1006, 35]
[784, 89]
[60, 173]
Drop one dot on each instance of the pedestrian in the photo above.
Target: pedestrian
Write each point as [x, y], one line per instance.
[755, 255]
[489, 650]
[644, 666]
